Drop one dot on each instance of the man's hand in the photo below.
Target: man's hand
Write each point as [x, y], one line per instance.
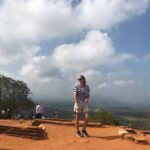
[77, 107]
[86, 100]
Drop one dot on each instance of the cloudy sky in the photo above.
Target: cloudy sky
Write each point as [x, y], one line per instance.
[47, 43]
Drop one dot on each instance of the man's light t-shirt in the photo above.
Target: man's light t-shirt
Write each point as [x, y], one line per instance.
[82, 92]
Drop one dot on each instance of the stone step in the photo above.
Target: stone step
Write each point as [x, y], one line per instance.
[145, 132]
[37, 122]
[29, 132]
[141, 140]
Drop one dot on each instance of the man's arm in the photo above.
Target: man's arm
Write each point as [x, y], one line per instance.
[75, 98]
[88, 97]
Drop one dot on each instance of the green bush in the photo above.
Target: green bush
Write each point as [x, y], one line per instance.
[104, 117]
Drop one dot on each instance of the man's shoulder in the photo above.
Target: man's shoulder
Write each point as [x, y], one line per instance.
[37, 106]
[76, 86]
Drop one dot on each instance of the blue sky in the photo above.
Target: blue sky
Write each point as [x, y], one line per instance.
[133, 36]
[47, 43]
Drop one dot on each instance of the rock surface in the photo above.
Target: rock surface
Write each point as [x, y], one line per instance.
[62, 137]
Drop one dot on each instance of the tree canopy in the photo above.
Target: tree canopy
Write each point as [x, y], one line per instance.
[14, 94]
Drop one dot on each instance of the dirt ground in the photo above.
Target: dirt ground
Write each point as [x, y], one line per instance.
[62, 137]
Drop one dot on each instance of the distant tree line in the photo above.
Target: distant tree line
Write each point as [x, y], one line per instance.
[14, 94]
[104, 117]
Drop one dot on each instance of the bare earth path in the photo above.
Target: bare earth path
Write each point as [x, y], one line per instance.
[62, 137]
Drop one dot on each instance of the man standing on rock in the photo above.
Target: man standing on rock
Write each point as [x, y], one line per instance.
[81, 97]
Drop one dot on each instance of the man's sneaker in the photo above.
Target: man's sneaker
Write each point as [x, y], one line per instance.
[84, 132]
[78, 134]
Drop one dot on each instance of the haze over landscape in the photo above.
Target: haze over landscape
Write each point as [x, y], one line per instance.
[47, 43]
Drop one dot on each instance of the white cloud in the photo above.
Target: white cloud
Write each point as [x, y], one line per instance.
[25, 23]
[116, 74]
[96, 49]
[40, 67]
[122, 83]
[91, 73]
[103, 86]
[123, 90]
[125, 72]
[44, 79]
[104, 14]
[148, 56]
[37, 19]
[60, 68]
[12, 52]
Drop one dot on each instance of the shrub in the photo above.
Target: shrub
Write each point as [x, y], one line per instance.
[104, 117]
